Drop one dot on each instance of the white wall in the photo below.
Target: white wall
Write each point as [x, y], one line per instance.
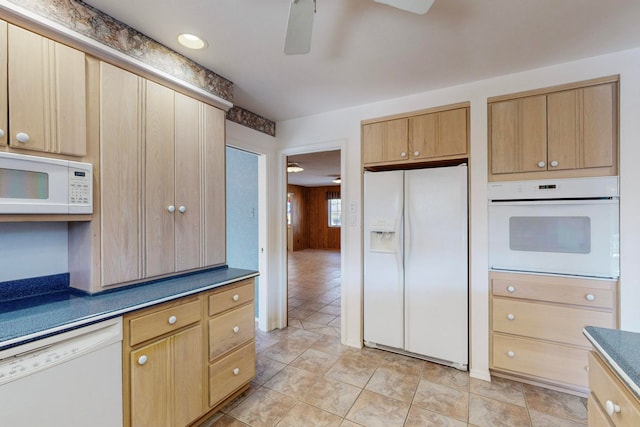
[345, 125]
[32, 249]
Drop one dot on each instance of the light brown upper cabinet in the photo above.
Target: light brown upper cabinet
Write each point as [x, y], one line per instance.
[47, 95]
[159, 203]
[419, 137]
[562, 132]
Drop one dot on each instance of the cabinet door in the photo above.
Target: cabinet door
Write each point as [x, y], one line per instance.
[599, 125]
[187, 183]
[385, 141]
[47, 94]
[452, 129]
[582, 131]
[214, 186]
[188, 372]
[597, 416]
[150, 385]
[4, 137]
[159, 180]
[519, 135]
[120, 177]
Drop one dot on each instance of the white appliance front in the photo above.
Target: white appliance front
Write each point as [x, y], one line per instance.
[41, 185]
[415, 262]
[73, 379]
[573, 237]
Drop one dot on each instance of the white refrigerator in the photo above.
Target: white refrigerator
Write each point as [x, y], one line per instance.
[416, 263]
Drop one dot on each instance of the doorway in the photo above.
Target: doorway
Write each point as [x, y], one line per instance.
[314, 221]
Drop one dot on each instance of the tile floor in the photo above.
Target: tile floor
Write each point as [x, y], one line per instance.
[306, 377]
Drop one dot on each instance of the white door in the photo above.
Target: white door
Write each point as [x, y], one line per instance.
[436, 279]
[383, 275]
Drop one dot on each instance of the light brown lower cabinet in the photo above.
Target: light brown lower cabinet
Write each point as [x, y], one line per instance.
[611, 403]
[536, 327]
[183, 359]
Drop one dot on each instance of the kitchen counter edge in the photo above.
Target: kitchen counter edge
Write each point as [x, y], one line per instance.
[621, 351]
[48, 319]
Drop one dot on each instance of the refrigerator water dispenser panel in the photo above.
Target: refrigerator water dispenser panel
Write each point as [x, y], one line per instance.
[383, 237]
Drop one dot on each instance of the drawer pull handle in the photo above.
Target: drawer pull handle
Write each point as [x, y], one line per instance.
[236, 371]
[236, 329]
[142, 359]
[541, 164]
[611, 408]
[403, 154]
[511, 289]
[416, 153]
[554, 163]
[511, 354]
[173, 320]
[22, 137]
[236, 297]
[590, 297]
[510, 316]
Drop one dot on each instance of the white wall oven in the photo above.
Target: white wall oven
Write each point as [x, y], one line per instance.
[562, 226]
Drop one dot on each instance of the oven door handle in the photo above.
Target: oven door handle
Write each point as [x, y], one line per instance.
[557, 202]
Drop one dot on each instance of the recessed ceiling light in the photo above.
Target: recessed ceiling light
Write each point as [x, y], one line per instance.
[191, 41]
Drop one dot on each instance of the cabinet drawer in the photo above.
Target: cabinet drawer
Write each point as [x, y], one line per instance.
[229, 298]
[605, 385]
[165, 320]
[545, 321]
[594, 293]
[231, 372]
[597, 416]
[231, 329]
[552, 362]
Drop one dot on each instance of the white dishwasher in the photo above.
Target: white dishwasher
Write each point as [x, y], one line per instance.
[72, 379]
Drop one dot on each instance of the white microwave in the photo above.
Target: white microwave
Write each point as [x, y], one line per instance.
[40, 185]
[564, 226]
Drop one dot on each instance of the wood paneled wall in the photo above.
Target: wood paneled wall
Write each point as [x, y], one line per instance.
[310, 218]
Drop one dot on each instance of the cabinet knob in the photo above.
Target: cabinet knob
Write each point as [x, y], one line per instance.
[236, 297]
[236, 329]
[416, 153]
[611, 408]
[403, 154]
[541, 164]
[182, 209]
[511, 289]
[590, 297]
[142, 359]
[236, 371]
[511, 354]
[510, 316]
[1, 133]
[171, 208]
[554, 163]
[22, 137]
[173, 320]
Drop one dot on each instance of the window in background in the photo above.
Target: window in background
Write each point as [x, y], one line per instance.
[335, 212]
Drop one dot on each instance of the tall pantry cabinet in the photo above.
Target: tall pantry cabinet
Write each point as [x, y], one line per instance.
[159, 200]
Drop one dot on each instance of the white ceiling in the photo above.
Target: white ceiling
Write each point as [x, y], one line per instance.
[320, 169]
[364, 51]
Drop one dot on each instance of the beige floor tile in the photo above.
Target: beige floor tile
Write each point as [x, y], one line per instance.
[295, 323]
[319, 328]
[499, 389]
[330, 309]
[308, 416]
[330, 344]
[323, 318]
[402, 364]
[394, 384]
[373, 410]
[554, 403]
[315, 361]
[224, 421]
[538, 419]
[446, 375]
[300, 313]
[448, 401]
[331, 395]
[347, 423]
[419, 417]
[351, 371]
[485, 412]
[285, 352]
[303, 337]
[264, 408]
[266, 368]
[292, 381]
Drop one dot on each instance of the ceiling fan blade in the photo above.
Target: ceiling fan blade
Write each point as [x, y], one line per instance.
[414, 6]
[298, 38]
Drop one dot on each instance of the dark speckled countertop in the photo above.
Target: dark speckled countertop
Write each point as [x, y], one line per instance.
[27, 319]
[621, 350]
